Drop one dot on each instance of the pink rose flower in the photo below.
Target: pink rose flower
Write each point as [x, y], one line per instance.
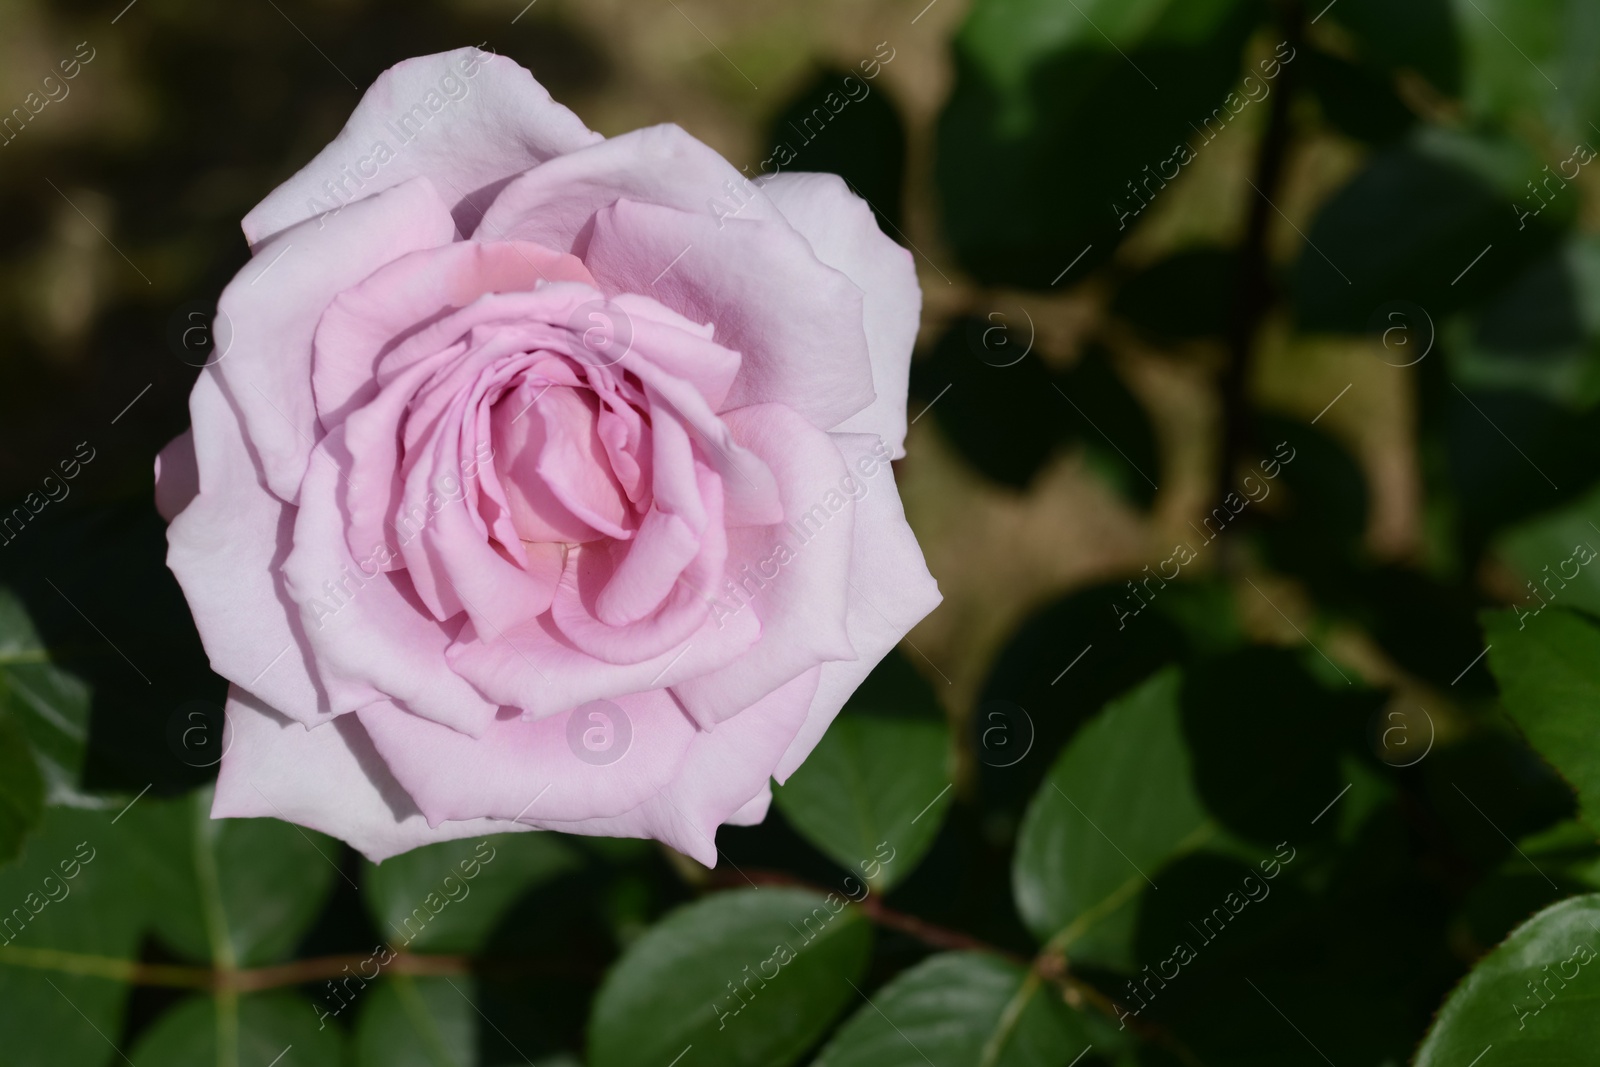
[541, 480]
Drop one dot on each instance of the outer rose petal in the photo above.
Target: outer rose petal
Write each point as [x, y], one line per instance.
[890, 592]
[272, 310]
[722, 779]
[177, 476]
[525, 769]
[800, 599]
[845, 236]
[226, 549]
[503, 124]
[662, 165]
[330, 779]
[796, 321]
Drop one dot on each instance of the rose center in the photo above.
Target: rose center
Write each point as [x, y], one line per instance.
[553, 466]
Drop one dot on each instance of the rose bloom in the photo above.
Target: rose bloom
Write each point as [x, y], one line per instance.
[539, 479]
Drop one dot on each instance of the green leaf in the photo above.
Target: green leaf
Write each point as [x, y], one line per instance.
[1533, 61]
[1356, 98]
[751, 977]
[878, 783]
[448, 897]
[1409, 225]
[992, 400]
[21, 788]
[960, 1009]
[1549, 553]
[50, 706]
[417, 1022]
[235, 892]
[1548, 668]
[1061, 111]
[68, 930]
[1119, 802]
[1533, 1000]
[233, 1031]
[1420, 35]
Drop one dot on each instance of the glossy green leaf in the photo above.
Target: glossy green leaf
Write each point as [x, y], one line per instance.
[236, 892]
[872, 788]
[21, 788]
[751, 977]
[417, 1022]
[1119, 802]
[1558, 558]
[69, 922]
[257, 1030]
[449, 896]
[1533, 1001]
[50, 706]
[874, 791]
[1548, 667]
[960, 1009]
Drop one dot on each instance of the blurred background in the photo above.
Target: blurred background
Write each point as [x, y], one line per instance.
[1254, 448]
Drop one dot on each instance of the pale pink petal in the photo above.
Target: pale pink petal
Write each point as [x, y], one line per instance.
[529, 769]
[890, 592]
[367, 628]
[591, 569]
[796, 322]
[723, 777]
[177, 476]
[554, 204]
[227, 549]
[845, 235]
[330, 779]
[273, 304]
[534, 667]
[367, 320]
[486, 120]
[754, 811]
[792, 576]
